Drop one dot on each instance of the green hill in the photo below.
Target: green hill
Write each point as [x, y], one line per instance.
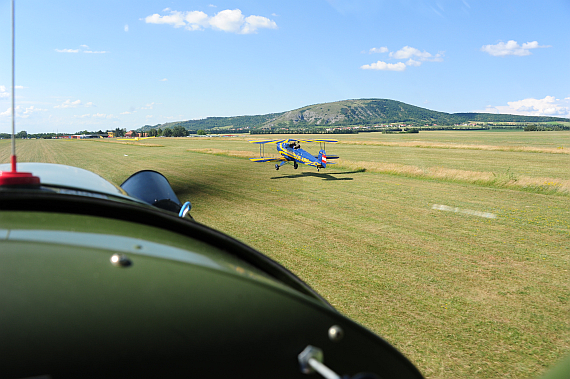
[350, 112]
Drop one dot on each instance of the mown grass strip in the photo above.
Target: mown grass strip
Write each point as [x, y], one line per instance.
[488, 179]
[434, 145]
[134, 143]
[227, 153]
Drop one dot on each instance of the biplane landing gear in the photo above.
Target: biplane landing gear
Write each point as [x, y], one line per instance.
[276, 166]
[295, 165]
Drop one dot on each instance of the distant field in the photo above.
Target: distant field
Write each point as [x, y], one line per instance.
[466, 275]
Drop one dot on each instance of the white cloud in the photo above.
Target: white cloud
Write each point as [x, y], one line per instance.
[502, 49]
[84, 49]
[384, 66]
[549, 106]
[126, 28]
[414, 57]
[95, 116]
[231, 21]
[164, 80]
[228, 20]
[28, 111]
[382, 49]
[33, 109]
[408, 52]
[25, 114]
[252, 23]
[412, 62]
[196, 20]
[175, 19]
[69, 104]
[3, 92]
[148, 106]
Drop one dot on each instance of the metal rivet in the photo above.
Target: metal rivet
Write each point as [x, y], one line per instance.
[335, 333]
[121, 260]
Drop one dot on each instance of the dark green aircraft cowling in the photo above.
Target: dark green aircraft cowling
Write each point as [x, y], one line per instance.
[67, 311]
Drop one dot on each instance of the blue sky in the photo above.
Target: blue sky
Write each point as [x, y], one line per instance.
[107, 64]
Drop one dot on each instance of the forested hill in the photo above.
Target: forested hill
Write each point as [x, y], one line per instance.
[220, 122]
[351, 112]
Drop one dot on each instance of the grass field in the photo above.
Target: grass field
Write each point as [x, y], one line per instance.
[453, 246]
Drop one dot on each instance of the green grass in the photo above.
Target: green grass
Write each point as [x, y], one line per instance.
[460, 295]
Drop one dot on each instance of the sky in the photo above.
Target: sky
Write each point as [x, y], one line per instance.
[100, 65]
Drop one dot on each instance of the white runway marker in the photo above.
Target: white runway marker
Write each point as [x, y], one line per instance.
[464, 211]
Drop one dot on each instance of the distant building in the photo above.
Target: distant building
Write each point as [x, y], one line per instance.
[133, 134]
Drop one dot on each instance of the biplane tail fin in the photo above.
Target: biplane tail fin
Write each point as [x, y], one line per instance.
[322, 158]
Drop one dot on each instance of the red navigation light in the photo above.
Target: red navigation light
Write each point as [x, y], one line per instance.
[15, 178]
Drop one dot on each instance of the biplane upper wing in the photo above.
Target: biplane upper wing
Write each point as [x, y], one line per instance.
[318, 140]
[268, 141]
[262, 159]
[291, 140]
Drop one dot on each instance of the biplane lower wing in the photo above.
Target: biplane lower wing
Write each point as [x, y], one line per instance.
[281, 159]
[318, 165]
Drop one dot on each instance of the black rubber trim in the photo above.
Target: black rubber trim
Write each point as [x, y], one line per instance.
[40, 201]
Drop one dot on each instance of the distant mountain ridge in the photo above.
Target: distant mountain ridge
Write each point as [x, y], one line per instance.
[350, 112]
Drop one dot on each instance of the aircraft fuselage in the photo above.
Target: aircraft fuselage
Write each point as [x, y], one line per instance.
[297, 154]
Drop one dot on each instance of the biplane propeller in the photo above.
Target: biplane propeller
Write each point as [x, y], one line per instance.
[290, 152]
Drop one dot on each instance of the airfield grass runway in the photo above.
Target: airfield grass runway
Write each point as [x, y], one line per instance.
[452, 245]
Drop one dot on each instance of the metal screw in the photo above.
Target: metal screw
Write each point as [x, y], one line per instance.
[121, 260]
[335, 333]
[309, 353]
[311, 360]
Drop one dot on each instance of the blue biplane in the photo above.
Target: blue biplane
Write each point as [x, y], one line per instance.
[291, 152]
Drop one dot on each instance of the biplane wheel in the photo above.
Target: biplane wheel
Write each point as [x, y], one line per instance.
[295, 165]
[276, 166]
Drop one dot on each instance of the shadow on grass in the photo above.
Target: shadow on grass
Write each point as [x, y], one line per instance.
[192, 190]
[323, 176]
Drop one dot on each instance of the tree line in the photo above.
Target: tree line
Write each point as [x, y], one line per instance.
[176, 131]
